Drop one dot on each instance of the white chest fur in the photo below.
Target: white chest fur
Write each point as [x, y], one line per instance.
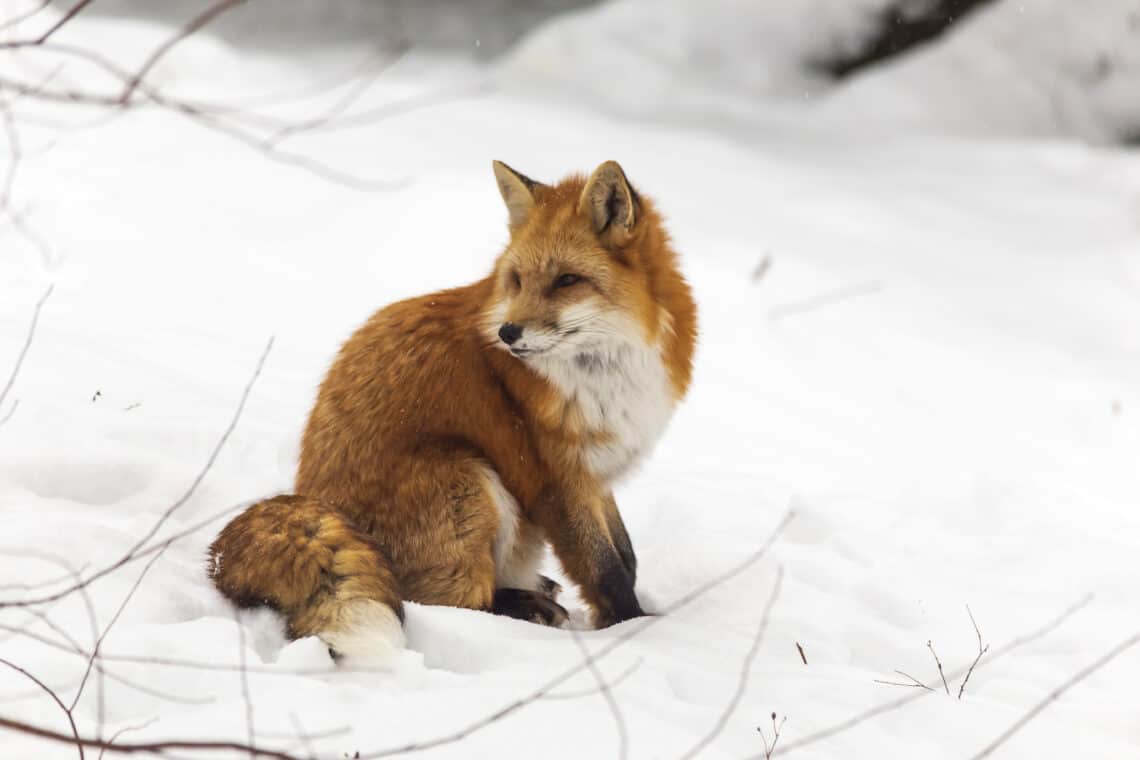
[623, 392]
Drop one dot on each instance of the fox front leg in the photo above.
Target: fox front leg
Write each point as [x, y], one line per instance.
[577, 524]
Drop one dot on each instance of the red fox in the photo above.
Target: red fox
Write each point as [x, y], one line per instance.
[458, 431]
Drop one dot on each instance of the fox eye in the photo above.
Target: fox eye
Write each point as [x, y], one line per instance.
[566, 280]
[516, 280]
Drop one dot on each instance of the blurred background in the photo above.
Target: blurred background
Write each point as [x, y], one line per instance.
[996, 67]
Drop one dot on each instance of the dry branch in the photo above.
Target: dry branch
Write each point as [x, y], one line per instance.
[140, 548]
[1058, 692]
[981, 651]
[914, 682]
[745, 672]
[414, 747]
[258, 133]
[63, 21]
[27, 345]
[607, 695]
[865, 715]
[195, 24]
[602, 651]
[938, 662]
[55, 698]
[770, 749]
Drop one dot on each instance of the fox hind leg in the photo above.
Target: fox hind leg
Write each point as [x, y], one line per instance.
[472, 546]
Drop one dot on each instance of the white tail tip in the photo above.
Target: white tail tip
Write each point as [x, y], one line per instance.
[365, 631]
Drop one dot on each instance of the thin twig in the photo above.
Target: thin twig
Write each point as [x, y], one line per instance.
[981, 651]
[770, 749]
[124, 730]
[339, 106]
[77, 648]
[938, 662]
[243, 674]
[141, 747]
[210, 120]
[63, 21]
[612, 684]
[27, 344]
[607, 695]
[43, 584]
[94, 656]
[5, 418]
[196, 23]
[913, 681]
[865, 715]
[826, 299]
[137, 551]
[302, 736]
[745, 672]
[55, 698]
[602, 651]
[20, 18]
[630, 633]
[1056, 693]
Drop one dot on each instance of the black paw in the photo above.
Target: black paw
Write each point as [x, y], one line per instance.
[528, 605]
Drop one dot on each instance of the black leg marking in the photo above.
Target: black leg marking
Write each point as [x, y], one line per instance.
[615, 586]
[622, 543]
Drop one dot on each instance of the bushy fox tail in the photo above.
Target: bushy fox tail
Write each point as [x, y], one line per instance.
[307, 561]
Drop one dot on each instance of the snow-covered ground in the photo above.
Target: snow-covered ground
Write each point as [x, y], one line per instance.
[927, 346]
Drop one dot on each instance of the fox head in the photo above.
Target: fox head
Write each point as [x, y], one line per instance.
[587, 266]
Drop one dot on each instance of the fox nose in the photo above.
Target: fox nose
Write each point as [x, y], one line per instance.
[509, 333]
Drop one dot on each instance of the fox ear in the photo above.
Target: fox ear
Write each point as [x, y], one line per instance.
[517, 191]
[609, 202]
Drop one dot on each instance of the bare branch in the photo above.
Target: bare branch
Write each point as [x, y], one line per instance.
[1058, 692]
[302, 736]
[913, 681]
[826, 299]
[244, 676]
[137, 551]
[745, 671]
[158, 747]
[865, 715]
[612, 683]
[20, 18]
[138, 748]
[42, 584]
[770, 749]
[607, 695]
[938, 662]
[63, 21]
[76, 648]
[338, 107]
[981, 651]
[196, 23]
[27, 344]
[94, 656]
[124, 730]
[602, 651]
[5, 418]
[55, 698]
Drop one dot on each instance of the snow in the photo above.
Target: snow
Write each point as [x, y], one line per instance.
[1039, 67]
[938, 372]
